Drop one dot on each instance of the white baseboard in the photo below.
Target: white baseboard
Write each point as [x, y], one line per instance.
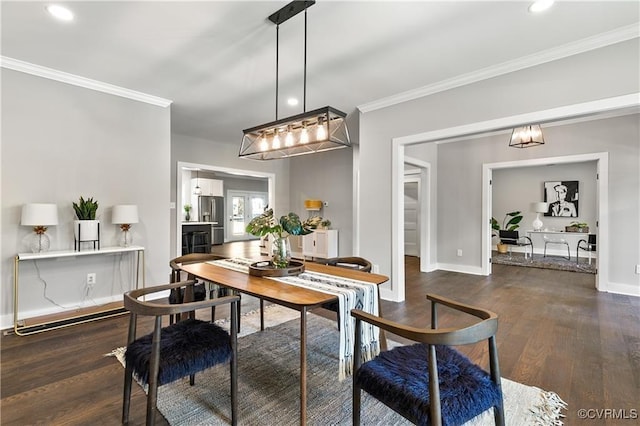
[622, 288]
[6, 320]
[465, 269]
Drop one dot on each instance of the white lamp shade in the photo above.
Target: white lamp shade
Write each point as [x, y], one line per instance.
[125, 214]
[39, 215]
[540, 207]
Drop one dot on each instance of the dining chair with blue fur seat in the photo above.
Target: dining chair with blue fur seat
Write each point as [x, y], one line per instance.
[429, 382]
[179, 350]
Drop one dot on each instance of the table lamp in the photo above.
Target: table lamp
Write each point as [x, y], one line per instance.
[124, 215]
[39, 216]
[538, 208]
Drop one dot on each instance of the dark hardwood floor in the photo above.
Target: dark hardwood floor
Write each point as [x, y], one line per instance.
[555, 332]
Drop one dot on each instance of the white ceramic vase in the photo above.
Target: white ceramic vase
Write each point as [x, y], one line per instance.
[86, 230]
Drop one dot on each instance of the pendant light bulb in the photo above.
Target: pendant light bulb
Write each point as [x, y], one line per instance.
[304, 135]
[276, 141]
[321, 133]
[288, 140]
[264, 145]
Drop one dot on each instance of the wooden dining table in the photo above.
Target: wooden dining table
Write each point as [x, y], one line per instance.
[291, 296]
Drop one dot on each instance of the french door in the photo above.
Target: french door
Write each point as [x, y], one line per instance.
[242, 207]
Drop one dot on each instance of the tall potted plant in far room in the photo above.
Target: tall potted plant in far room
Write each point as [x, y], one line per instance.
[510, 222]
[86, 227]
[279, 231]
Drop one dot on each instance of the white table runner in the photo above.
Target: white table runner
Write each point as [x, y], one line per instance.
[352, 294]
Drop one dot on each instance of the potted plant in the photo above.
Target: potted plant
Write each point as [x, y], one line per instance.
[279, 231]
[511, 224]
[577, 227]
[314, 222]
[325, 224]
[86, 227]
[187, 212]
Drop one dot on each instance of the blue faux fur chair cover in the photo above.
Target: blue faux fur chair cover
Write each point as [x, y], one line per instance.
[399, 378]
[186, 348]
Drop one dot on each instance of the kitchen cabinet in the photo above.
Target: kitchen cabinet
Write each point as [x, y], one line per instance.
[321, 243]
[208, 186]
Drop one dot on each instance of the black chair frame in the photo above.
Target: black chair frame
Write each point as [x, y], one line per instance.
[513, 238]
[588, 245]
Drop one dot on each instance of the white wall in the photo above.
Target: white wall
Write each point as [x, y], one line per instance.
[516, 188]
[60, 142]
[326, 176]
[593, 75]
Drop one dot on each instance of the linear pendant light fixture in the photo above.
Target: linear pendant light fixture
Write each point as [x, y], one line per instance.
[526, 136]
[322, 129]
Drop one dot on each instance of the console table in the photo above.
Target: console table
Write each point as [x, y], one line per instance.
[24, 327]
[571, 237]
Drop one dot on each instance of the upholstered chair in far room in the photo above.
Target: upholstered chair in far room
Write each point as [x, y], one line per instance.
[179, 350]
[513, 238]
[430, 383]
[588, 245]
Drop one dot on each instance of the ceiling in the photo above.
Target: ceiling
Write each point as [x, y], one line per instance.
[216, 59]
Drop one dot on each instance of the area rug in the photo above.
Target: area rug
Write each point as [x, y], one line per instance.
[557, 263]
[268, 385]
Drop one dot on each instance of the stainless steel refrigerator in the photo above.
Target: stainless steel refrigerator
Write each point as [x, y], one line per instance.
[211, 209]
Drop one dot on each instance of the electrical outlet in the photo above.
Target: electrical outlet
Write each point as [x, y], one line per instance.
[637, 269]
[459, 252]
[91, 278]
[376, 269]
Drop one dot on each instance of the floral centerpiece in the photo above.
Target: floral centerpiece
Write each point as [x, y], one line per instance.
[267, 225]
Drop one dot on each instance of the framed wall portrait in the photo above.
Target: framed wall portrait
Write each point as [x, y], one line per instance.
[562, 197]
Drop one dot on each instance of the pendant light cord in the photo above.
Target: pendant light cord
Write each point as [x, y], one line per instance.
[277, 62]
[304, 93]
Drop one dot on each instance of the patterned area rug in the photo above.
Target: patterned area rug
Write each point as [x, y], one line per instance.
[269, 384]
[550, 262]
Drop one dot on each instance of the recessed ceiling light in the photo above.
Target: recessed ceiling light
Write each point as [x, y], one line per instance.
[60, 12]
[292, 101]
[540, 5]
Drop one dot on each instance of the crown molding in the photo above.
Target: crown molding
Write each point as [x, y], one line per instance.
[591, 43]
[75, 80]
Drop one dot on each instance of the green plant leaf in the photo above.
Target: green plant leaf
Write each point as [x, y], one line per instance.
[292, 224]
[86, 209]
[261, 225]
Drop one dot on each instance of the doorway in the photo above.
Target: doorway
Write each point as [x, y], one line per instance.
[225, 172]
[602, 181]
[412, 216]
[585, 111]
[242, 207]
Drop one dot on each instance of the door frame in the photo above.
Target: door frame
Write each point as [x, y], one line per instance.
[247, 194]
[585, 111]
[413, 176]
[602, 205]
[181, 165]
[426, 231]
